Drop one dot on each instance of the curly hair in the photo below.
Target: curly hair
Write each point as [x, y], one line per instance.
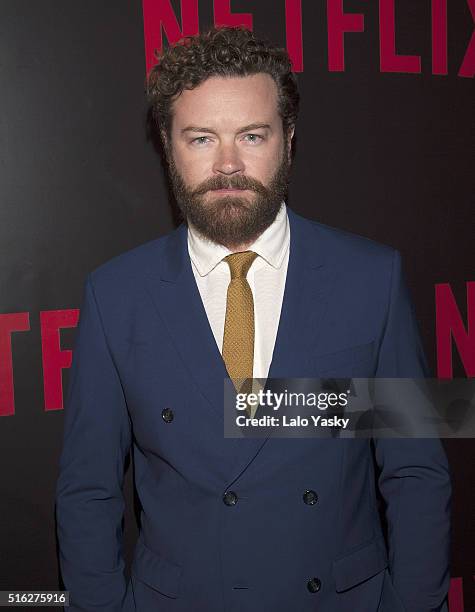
[222, 51]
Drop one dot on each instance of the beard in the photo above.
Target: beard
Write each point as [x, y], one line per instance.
[231, 220]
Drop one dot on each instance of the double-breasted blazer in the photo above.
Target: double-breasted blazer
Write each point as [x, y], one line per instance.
[246, 524]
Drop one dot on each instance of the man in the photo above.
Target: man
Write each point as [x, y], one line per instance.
[245, 288]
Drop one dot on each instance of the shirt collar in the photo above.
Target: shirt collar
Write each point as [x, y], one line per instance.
[271, 245]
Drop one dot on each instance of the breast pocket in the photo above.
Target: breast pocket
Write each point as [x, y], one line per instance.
[357, 361]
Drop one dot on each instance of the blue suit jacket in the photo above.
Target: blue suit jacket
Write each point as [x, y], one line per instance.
[147, 374]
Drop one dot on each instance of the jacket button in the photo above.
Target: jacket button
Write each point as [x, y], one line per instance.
[167, 415]
[314, 585]
[230, 498]
[310, 497]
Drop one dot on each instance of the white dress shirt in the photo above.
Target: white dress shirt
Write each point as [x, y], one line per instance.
[266, 278]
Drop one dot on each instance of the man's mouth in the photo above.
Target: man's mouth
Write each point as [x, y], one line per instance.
[227, 190]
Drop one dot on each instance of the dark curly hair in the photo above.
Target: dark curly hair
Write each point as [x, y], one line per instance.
[222, 51]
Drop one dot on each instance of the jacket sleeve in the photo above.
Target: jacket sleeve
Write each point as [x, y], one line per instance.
[89, 499]
[414, 477]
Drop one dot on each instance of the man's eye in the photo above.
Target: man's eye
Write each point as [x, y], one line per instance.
[200, 140]
[253, 138]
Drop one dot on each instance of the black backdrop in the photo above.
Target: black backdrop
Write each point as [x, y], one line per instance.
[385, 154]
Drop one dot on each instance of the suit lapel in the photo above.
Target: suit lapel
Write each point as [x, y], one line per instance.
[304, 302]
[178, 303]
[304, 306]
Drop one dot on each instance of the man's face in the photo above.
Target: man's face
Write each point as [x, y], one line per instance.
[228, 158]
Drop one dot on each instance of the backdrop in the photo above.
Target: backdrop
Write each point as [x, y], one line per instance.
[384, 149]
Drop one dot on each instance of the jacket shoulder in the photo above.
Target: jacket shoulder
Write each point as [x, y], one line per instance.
[344, 246]
[132, 265]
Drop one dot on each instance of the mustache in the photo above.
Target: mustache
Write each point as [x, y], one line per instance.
[239, 181]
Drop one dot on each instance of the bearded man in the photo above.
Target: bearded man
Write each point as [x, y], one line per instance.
[244, 287]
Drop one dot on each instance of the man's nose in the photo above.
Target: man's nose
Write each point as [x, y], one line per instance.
[228, 160]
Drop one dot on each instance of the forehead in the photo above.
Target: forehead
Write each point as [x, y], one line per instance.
[228, 102]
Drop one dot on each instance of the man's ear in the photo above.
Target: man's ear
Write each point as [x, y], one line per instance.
[290, 135]
[164, 138]
[165, 143]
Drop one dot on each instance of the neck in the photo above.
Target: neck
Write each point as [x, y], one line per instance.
[237, 248]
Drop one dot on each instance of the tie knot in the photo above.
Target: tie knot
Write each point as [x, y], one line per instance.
[239, 263]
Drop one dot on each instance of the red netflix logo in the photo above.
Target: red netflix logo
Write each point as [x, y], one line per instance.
[54, 358]
[456, 600]
[449, 326]
[160, 19]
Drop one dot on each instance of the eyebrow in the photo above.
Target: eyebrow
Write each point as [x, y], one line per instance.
[247, 128]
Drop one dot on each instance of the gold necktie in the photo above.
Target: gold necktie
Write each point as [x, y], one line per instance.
[238, 340]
